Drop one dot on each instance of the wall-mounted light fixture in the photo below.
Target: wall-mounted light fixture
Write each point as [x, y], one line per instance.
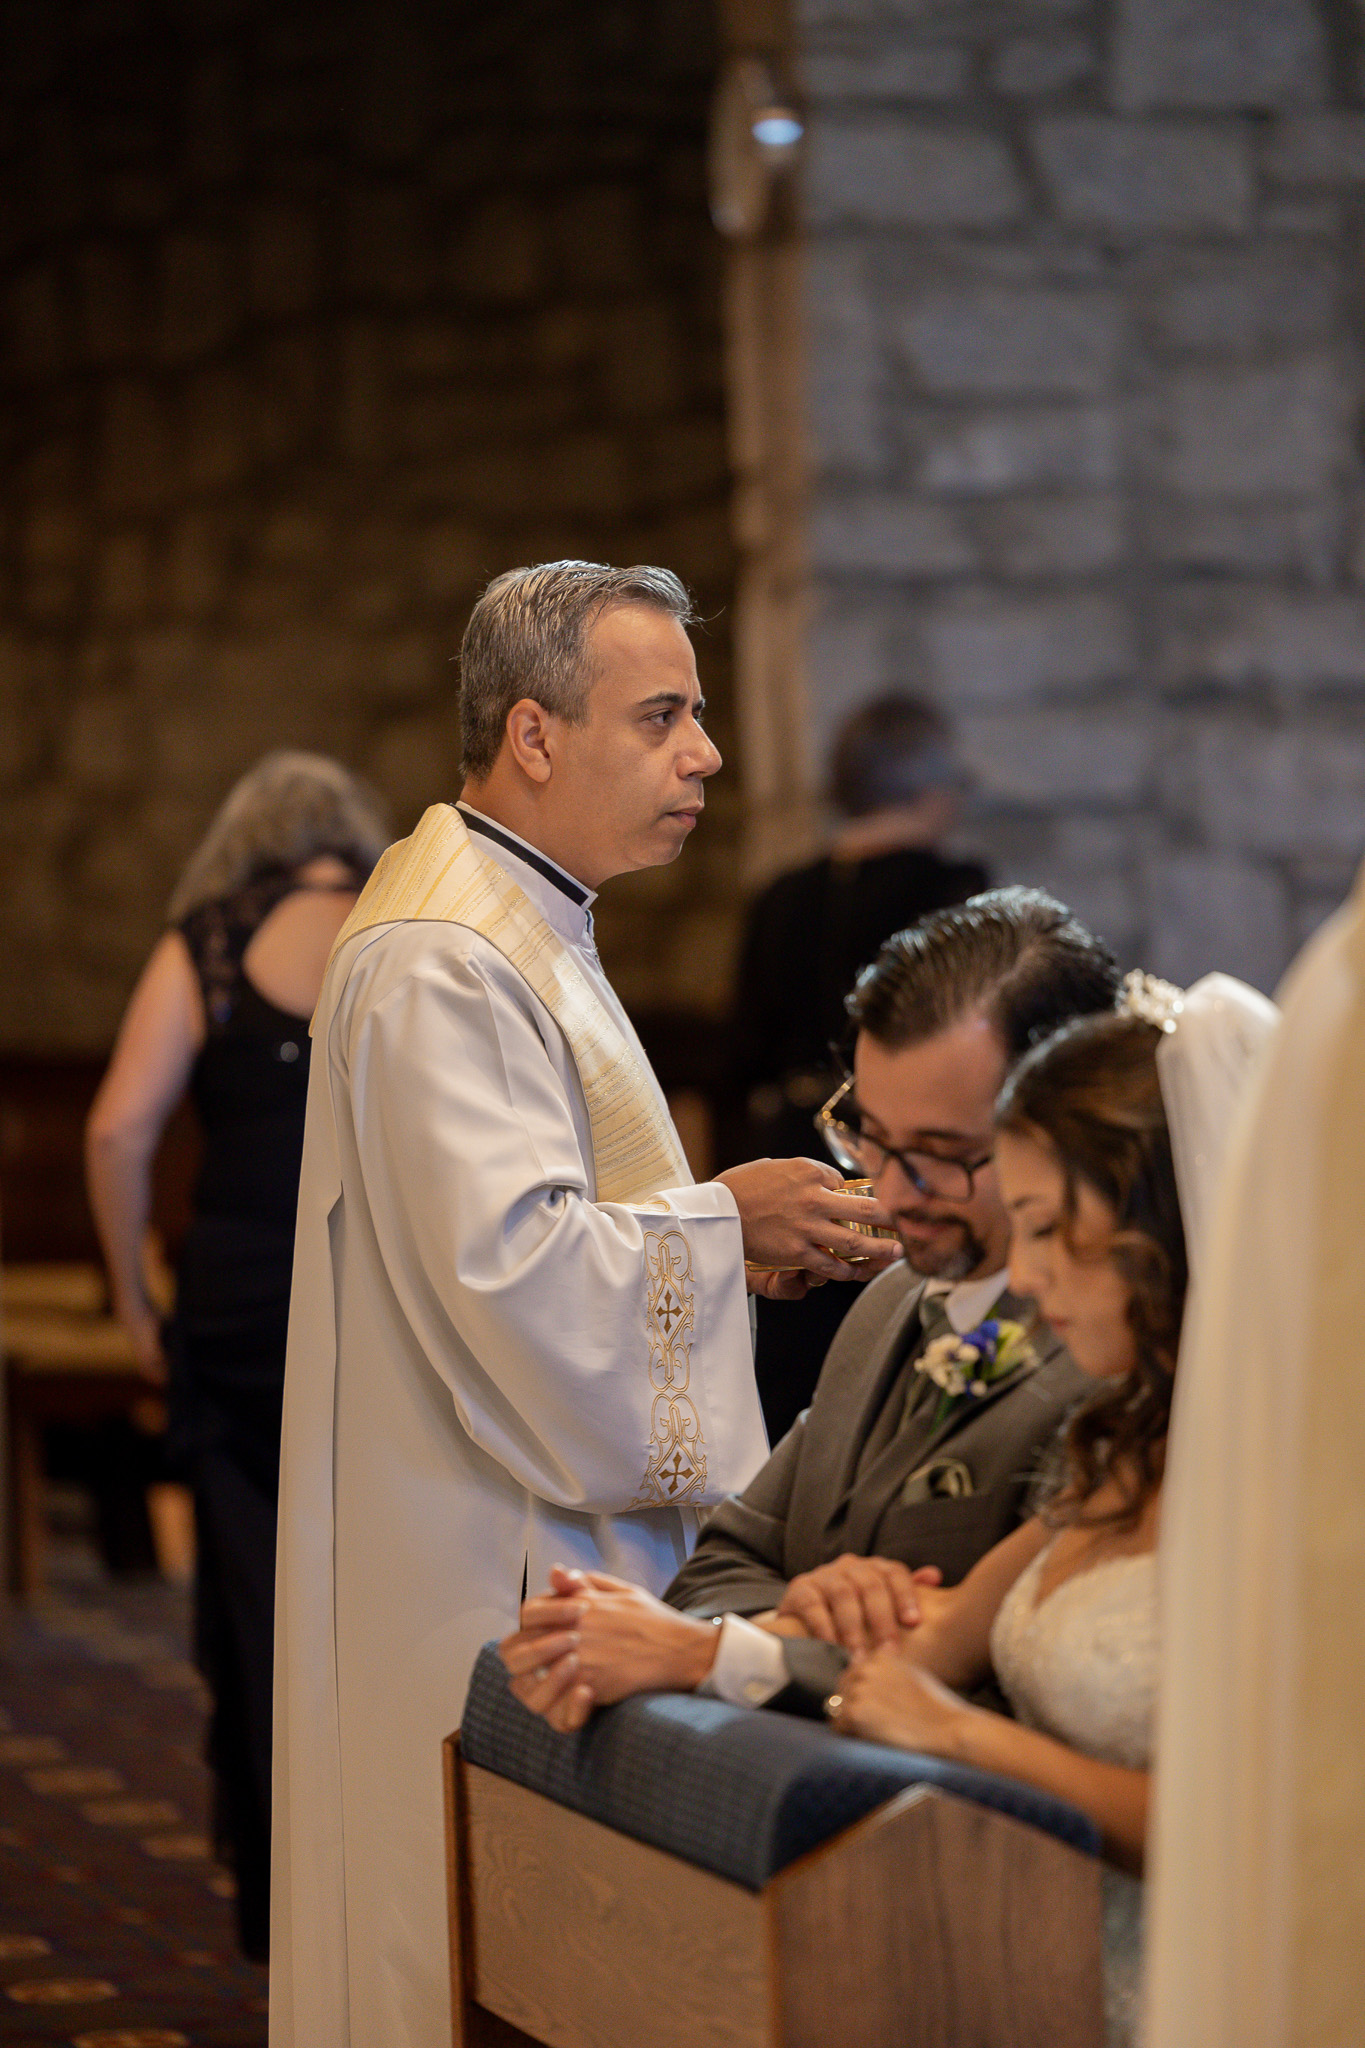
[755, 138]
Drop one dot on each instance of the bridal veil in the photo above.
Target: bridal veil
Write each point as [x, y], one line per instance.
[1257, 1875]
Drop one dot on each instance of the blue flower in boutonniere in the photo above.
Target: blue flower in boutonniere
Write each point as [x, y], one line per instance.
[966, 1367]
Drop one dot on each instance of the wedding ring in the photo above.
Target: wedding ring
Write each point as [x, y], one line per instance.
[834, 1706]
[541, 1673]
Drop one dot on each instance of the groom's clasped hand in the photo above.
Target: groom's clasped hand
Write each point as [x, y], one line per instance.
[857, 1602]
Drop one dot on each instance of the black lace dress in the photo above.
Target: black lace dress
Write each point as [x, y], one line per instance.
[227, 1344]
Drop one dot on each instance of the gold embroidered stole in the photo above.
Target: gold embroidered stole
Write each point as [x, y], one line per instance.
[439, 874]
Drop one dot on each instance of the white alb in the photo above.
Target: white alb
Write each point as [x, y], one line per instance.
[470, 1397]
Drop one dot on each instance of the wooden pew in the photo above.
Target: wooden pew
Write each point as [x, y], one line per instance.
[63, 1357]
[932, 1922]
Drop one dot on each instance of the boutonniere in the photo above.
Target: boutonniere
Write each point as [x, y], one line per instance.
[966, 1367]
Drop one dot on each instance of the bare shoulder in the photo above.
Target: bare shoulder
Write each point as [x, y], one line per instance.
[1091, 1540]
[305, 911]
[169, 964]
[166, 999]
[288, 954]
[162, 1030]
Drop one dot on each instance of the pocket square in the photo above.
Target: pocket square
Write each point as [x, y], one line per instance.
[940, 1479]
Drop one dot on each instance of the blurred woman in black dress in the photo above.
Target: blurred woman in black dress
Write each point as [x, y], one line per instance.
[897, 786]
[223, 1006]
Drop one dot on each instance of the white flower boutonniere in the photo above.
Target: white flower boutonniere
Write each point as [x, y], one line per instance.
[966, 1367]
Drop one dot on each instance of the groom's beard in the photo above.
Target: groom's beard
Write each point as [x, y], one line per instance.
[954, 1253]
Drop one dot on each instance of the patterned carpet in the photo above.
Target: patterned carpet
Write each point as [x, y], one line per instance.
[116, 1925]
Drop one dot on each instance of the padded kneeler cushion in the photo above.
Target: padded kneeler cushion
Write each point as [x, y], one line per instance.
[739, 1792]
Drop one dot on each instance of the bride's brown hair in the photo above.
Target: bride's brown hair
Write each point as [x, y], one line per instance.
[1091, 1095]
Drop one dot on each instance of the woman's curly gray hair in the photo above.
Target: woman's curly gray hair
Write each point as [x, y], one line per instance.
[288, 809]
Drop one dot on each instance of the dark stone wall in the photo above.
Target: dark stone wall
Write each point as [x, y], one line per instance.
[1086, 376]
[313, 318]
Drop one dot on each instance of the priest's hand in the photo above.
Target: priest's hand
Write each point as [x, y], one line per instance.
[795, 1216]
[858, 1602]
[593, 1639]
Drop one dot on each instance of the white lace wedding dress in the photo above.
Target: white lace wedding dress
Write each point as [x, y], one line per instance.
[1081, 1665]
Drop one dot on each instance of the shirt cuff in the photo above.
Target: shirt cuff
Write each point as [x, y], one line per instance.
[749, 1669]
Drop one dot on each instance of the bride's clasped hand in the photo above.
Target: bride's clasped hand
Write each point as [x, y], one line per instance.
[886, 1697]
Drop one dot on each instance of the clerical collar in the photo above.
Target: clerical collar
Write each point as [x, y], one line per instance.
[512, 842]
[967, 1303]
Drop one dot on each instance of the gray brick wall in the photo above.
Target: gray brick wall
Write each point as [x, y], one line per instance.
[314, 317]
[1086, 389]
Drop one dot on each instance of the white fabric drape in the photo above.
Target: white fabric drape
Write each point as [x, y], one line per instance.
[1257, 1871]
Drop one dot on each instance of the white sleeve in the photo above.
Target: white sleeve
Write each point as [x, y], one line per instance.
[599, 1351]
[749, 1669]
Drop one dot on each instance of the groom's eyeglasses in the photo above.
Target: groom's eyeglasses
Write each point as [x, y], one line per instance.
[839, 1123]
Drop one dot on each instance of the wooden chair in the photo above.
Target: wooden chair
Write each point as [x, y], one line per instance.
[66, 1359]
[931, 1922]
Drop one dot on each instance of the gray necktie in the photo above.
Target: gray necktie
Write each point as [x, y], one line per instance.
[934, 1321]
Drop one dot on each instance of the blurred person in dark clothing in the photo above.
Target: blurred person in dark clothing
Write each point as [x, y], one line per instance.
[897, 785]
[223, 1006]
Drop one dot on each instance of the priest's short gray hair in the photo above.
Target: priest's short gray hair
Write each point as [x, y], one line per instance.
[290, 808]
[528, 637]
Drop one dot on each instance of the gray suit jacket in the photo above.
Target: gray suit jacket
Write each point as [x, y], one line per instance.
[849, 1477]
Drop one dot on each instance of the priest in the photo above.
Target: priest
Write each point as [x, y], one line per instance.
[519, 1332]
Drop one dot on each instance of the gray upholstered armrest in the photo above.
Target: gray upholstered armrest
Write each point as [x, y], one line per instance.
[740, 1793]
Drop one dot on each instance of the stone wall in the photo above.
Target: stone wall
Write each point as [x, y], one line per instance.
[314, 318]
[1086, 319]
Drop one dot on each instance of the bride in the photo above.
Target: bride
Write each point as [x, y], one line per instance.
[1102, 1132]
[1065, 1610]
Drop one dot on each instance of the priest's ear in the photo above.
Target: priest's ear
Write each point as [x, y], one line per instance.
[530, 737]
